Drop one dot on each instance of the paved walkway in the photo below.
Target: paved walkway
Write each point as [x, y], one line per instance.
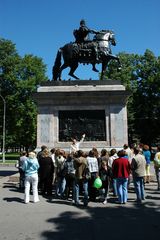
[58, 219]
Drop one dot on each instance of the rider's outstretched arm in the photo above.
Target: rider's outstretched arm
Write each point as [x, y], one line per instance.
[93, 31]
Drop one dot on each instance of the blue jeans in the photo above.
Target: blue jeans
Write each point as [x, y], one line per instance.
[122, 189]
[60, 188]
[139, 188]
[84, 183]
[115, 186]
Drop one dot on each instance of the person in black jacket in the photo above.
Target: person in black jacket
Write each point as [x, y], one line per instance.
[46, 171]
[104, 175]
[69, 175]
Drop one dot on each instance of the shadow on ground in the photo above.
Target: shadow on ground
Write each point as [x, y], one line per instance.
[138, 222]
[115, 222]
[4, 173]
[13, 199]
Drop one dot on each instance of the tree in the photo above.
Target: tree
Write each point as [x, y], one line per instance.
[141, 75]
[19, 78]
[146, 100]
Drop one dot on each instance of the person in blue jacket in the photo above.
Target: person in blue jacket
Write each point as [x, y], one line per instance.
[147, 155]
[30, 167]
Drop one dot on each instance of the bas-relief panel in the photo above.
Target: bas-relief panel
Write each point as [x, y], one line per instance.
[75, 123]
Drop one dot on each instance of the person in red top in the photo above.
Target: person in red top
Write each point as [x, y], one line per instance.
[121, 170]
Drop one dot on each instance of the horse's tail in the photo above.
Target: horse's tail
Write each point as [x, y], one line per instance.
[57, 65]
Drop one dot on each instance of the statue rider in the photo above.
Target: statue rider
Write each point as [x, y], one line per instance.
[81, 36]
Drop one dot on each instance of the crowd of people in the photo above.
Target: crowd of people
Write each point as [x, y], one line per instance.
[69, 175]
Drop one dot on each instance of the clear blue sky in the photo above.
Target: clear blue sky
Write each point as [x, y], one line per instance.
[40, 27]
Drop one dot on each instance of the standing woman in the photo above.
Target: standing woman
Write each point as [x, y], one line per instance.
[103, 157]
[30, 167]
[46, 171]
[121, 170]
[104, 175]
[93, 169]
[147, 155]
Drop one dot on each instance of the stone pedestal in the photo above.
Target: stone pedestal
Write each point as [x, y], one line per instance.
[109, 96]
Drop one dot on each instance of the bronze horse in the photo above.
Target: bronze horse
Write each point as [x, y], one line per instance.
[86, 53]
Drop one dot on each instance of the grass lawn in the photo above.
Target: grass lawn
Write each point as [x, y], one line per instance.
[10, 157]
[8, 162]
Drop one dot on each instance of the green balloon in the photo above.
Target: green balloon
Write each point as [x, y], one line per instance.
[97, 183]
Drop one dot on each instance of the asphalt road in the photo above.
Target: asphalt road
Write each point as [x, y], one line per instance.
[58, 219]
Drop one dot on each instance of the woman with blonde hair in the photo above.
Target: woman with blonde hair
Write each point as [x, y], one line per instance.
[30, 167]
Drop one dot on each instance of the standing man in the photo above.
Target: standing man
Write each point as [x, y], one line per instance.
[138, 166]
[23, 157]
[81, 179]
[74, 147]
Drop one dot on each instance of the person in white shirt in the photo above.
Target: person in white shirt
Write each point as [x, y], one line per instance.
[74, 147]
[92, 163]
[128, 151]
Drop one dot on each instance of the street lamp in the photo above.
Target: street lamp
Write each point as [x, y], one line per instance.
[4, 130]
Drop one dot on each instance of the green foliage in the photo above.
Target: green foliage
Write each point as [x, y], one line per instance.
[146, 100]
[19, 78]
[141, 75]
[10, 157]
[128, 74]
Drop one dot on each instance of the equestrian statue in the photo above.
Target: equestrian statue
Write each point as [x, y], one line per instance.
[85, 51]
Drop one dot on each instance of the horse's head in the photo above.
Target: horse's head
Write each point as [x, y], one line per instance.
[106, 35]
[112, 38]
